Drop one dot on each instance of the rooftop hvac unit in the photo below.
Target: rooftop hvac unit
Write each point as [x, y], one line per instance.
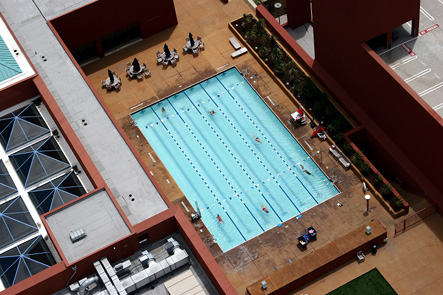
[171, 245]
[77, 235]
[122, 268]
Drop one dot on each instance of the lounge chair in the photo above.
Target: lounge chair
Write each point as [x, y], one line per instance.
[234, 43]
[239, 52]
[202, 45]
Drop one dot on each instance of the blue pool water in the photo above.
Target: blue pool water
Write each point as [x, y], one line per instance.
[216, 161]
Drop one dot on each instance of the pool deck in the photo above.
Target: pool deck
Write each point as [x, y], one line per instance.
[411, 262]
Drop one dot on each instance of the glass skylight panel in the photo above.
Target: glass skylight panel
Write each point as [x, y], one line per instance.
[24, 261]
[57, 192]
[15, 221]
[39, 161]
[21, 126]
[7, 186]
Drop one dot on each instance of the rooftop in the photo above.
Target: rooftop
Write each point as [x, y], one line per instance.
[104, 144]
[97, 215]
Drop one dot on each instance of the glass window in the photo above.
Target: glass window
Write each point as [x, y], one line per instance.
[7, 186]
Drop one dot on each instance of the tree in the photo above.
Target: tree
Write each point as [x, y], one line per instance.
[263, 50]
[250, 34]
[276, 53]
[247, 18]
[259, 25]
[273, 42]
[279, 66]
[262, 36]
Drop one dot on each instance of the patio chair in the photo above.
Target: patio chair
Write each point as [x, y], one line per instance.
[144, 65]
[176, 56]
[187, 38]
[103, 83]
[158, 53]
[159, 60]
[117, 86]
[128, 64]
[199, 38]
[147, 72]
[175, 50]
[140, 76]
[360, 256]
[165, 63]
[195, 51]
[202, 45]
[173, 61]
[185, 49]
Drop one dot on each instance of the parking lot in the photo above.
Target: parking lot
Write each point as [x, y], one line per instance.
[418, 60]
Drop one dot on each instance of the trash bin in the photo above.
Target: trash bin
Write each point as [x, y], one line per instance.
[374, 249]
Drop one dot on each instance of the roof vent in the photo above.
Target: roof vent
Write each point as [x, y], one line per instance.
[77, 235]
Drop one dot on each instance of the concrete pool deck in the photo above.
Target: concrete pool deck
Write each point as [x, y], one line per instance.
[408, 263]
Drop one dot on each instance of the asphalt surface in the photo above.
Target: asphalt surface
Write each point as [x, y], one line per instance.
[418, 60]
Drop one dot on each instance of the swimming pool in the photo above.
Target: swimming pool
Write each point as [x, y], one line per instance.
[234, 161]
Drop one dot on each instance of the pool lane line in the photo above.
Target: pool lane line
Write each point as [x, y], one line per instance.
[238, 162]
[269, 142]
[250, 148]
[196, 170]
[210, 157]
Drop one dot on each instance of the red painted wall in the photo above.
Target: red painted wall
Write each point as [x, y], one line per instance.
[299, 12]
[102, 17]
[387, 100]
[17, 93]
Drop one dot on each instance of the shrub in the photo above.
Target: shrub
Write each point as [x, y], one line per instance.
[347, 148]
[386, 190]
[365, 169]
[398, 204]
[377, 179]
[356, 159]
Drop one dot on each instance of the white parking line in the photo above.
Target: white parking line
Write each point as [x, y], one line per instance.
[422, 10]
[429, 90]
[403, 62]
[439, 106]
[407, 80]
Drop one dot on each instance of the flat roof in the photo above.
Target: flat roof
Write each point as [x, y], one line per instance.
[97, 215]
[104, 144]
[13, 63]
